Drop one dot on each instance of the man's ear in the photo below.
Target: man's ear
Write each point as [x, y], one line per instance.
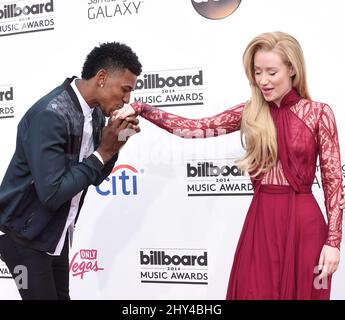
[101, 77]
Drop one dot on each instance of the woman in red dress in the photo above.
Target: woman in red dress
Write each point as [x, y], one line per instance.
[286, 250]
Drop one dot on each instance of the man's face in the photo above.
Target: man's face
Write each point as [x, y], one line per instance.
[115, 90]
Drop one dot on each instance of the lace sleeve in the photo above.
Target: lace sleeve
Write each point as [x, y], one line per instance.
[331, 174]
[223, 123]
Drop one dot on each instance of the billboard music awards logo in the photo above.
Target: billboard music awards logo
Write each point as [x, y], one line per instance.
[215, 9]
[4, 272]
[317, 180]
[84, 261]
[122, 181]
[6, 101]
[174, 266]
[113, 8]
[169, 88]
[217, 178]
[24, 16]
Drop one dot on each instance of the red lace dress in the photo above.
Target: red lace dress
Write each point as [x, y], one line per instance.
[284, 231]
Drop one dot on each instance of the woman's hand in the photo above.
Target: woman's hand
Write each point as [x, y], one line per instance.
[329, 261]
[126, 111]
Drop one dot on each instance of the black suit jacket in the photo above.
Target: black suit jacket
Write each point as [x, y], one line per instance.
[45, 173]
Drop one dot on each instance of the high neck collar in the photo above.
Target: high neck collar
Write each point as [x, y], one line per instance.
[291, 98]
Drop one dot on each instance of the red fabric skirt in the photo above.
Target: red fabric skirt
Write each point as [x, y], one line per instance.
[279, 248]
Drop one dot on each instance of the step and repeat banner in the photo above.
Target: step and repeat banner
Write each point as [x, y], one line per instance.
[165, 223]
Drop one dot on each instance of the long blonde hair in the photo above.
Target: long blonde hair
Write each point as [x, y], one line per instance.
[258, 132]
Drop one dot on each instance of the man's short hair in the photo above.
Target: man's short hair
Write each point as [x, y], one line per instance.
[111, 56]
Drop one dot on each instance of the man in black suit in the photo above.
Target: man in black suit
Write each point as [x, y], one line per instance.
[62, 147]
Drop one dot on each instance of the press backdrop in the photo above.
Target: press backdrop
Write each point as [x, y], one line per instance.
[165, 223]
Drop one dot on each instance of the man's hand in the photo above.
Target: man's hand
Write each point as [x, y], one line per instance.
[115, 134]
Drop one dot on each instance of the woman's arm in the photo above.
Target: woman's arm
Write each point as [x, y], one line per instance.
[342, 202]
[223, 123]
[331, 174]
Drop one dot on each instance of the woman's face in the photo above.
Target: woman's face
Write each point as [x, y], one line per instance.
[272, 75]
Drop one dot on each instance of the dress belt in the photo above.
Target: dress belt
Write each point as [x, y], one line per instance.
[274, 188]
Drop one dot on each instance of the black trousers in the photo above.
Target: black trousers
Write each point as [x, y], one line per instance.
[47, 276]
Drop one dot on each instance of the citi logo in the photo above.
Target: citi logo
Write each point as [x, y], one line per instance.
[13, 11]
[208, 169]
[6, 95]
[161, 258]
[122, 181]
[215, 9]
[156, 81]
